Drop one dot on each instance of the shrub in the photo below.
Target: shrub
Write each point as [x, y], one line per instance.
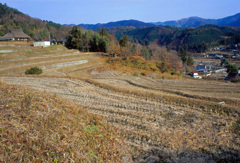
[173, 72]
[153, 69]
[162, 66]
[144, 73]
[33, 70]
[135, 74]
[232, 70]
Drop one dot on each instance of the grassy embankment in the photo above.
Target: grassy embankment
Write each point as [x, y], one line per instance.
[17, 59]
[36, 127]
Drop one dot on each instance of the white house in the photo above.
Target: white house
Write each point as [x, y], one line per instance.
[42, 43]
[195, 75]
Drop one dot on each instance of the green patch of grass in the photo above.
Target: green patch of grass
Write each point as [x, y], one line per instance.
[91, 128]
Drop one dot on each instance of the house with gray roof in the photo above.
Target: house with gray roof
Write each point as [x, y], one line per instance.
[201, 68]
[15, 35]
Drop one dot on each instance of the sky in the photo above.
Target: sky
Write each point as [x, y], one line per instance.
[103, 11]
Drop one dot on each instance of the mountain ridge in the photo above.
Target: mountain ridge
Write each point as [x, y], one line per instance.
[122, 23]
[194, 21]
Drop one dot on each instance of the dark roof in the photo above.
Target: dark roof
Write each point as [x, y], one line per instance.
[201, 67]
[47, 39]
[15, 33]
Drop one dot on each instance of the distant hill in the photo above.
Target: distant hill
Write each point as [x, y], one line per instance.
[196, 21]
[230, 20]
[192, 38]
[123, 23]
[118, 32]
[185, 22]
[11, 18]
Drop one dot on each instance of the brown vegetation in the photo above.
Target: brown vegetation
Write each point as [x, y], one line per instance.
[173, 120]
[40, 127]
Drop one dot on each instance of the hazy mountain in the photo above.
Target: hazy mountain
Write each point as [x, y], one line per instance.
[196, 21]
[123, 23]
[185, 22]
[230, 20]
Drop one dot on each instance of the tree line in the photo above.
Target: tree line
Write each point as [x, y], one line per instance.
[125, 49]
[198, 39]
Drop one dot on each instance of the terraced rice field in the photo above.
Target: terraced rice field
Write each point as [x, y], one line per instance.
[180, 121]
[51, 59]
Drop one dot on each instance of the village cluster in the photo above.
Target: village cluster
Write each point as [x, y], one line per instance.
[207, 69]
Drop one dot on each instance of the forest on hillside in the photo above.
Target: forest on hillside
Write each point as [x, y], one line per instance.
[197, 39]
[37, 29]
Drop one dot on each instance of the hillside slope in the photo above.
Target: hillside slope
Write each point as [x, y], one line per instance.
[193, 39]
[39, 127]
[172, 120]
[12, 18]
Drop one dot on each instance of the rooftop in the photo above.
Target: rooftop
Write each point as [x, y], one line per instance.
[15, 33]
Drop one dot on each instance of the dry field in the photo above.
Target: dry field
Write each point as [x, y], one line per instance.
[38, 127]
[168, 120]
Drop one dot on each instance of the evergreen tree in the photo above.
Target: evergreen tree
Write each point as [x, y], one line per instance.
[123, 41]
[183, 53]
[98, 44]
[232, 70]
[74, 38]
[103, 32]
[184, 58]
[224, 62]
[190, 61]
[146, 52]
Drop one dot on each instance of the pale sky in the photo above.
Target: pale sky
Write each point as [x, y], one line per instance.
[103, 11]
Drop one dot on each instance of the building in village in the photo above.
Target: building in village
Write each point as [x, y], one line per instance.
[195, 75]
[15, 35]
[201, 68]
[42, 43]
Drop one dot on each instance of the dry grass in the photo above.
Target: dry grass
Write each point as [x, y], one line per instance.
[38, 127]
[20, 59]
[174, 120]
[173, 92]
[162, 124]
[16, 43]
[137, 66]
